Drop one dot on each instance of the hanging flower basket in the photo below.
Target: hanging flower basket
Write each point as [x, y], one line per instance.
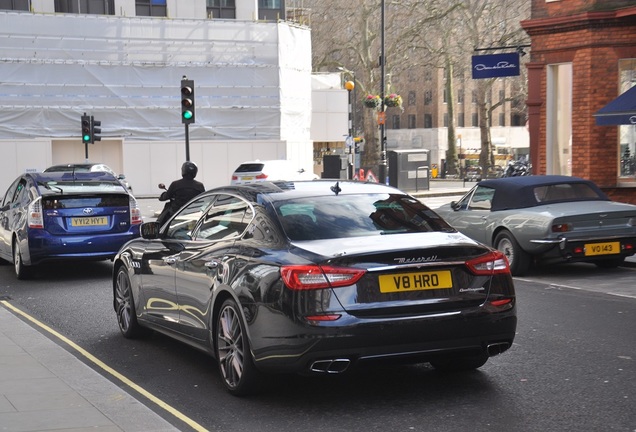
[372, 101]
[393, 100]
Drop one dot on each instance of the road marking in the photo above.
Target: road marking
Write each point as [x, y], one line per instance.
[97, 362]
[558, 286]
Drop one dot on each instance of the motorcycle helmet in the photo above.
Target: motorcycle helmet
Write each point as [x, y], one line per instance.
[189, 170]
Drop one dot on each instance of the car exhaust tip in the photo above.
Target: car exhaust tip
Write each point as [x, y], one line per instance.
[331, 366]
[497, 348]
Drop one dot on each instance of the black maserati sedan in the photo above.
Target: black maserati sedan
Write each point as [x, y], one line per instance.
[315, 277]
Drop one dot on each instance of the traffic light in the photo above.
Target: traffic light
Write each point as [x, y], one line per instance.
[359, 144]
[86, 129]
[95, 130]
[187, 101]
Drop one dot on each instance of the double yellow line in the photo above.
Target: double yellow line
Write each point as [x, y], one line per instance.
[97, 362]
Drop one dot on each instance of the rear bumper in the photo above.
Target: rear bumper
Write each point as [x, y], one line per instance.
[573, 250]
[45, 247]
[358, 342]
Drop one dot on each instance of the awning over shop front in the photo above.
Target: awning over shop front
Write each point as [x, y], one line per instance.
[620, 111]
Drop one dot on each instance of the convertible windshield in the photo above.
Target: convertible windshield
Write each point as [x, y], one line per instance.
[343, 216]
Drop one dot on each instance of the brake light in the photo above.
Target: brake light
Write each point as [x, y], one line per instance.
[560, 228]
[234, 177]
[306, 277]
[492, 263]
[261, 176]
[135, 213]
[35, 218]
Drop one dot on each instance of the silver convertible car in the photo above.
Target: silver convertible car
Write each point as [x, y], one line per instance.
[545, 219]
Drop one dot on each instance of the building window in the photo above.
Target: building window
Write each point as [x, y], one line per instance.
[475, 119]
[460, 119]
[271, 10]
[411, 121]
[445, 119]
[395, 121]
[502, 95]
[444, 96]
[151, 8]
[428, 121]
[221, 9]
[559, 119]
[428, 75]
[502, 119]
[460, 96]
[474, 97]
[94, 7]
[411, 98]
[22, 5]
[428, 97]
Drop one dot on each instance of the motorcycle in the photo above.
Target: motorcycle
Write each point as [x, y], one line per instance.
[518, 168]
[167, 208]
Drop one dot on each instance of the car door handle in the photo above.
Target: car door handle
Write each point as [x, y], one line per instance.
[170, 260]
[211, 264]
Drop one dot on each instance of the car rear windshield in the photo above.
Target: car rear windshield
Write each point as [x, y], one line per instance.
[342, 216]
[565, 192]
[68, 202]
[253, 167]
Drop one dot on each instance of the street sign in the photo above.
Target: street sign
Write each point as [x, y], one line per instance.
[381, 117]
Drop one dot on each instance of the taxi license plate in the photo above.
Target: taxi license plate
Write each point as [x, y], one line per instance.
[89, 221]
[427, 280]
[609, 248]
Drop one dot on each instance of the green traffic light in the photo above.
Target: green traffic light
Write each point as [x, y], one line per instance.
[187, 115]
[86, 138]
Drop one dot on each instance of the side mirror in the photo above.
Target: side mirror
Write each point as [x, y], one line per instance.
[162, 186]
[149, 230]
[454, 205]
[121, 177]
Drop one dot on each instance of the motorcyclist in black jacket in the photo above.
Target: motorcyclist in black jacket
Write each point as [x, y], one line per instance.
[180, 191]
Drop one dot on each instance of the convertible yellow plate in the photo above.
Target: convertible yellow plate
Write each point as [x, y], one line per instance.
[609, 248]
[425, 280]
[89, 221]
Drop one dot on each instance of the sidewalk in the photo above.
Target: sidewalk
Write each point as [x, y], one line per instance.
[45, 388]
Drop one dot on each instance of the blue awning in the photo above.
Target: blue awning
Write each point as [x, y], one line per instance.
[620, 111]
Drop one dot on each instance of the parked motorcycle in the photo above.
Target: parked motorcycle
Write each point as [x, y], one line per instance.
[518, 168]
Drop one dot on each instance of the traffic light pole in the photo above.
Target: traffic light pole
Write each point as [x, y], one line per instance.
[187, 141]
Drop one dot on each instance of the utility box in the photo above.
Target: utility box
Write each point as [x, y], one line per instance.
[409, 170]
[334, 167]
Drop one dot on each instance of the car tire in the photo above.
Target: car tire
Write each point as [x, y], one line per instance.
[518, 259]
[22, 271]
[233, 353]
[459, 363]
[125, 307]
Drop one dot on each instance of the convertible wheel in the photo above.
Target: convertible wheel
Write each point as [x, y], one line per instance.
[236, 365]
[459, 364]
[518, 259]
[125, 307]
[21, 271]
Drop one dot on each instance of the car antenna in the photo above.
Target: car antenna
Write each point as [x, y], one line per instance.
[336, 188]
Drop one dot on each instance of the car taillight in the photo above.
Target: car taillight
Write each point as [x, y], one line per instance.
[306, 277]
[234, 177]
[261, 176]
[489, 264]
[135, 213]
[559, 228]
[35, 218]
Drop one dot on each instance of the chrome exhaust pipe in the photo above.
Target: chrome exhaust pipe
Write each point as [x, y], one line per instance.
[331, 366]
[497, 348]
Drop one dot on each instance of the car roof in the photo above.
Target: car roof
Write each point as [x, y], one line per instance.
[47, 180]
[284, 190]
[518, 192]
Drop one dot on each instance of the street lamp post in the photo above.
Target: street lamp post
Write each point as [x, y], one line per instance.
[383, 169]
[350, 86]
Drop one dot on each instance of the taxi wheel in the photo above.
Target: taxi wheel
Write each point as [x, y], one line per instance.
[233, 353]
[518, 259]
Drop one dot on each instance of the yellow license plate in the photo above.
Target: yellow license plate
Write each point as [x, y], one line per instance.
[425, 280]
[89, 221]
[247, 178]
[609, 248]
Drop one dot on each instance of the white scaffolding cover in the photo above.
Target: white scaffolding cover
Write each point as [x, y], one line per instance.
[252, 79]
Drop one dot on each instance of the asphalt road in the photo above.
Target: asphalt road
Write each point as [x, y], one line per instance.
[572, 367]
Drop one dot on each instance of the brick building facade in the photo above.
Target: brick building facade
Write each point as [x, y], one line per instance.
[582, 52]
